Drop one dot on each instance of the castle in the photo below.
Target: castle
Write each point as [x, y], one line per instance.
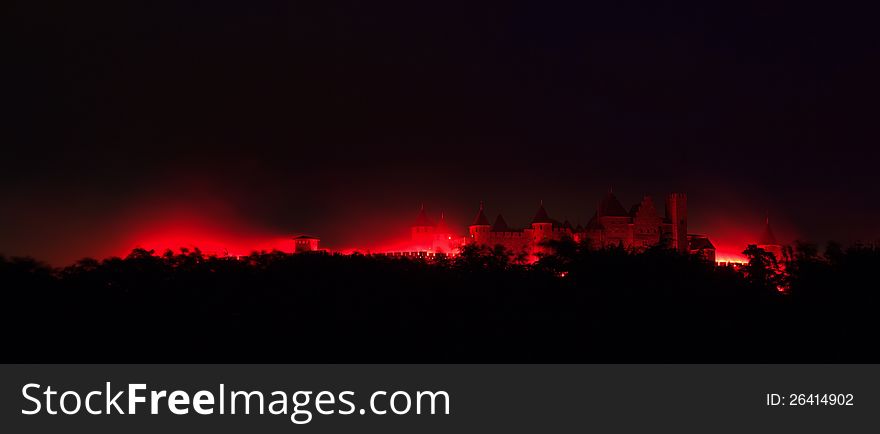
[611, 226]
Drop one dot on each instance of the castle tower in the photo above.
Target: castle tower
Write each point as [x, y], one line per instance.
[479, 229]
[768, 242]
[441, 230]
[542, 224]
[422, 231]
[676, 215]
[443, 241]
[646, 224]
[614, 219]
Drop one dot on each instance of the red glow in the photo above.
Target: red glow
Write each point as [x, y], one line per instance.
[208, 222]
[730, 236]
[213, 229]
[209, 242]
[730, 257]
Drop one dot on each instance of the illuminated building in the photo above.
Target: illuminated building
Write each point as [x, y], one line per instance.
[427, 236]
[701, 246]
[611, 226]
[305, 243]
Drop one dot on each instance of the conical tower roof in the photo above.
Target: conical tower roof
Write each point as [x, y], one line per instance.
[423, 219]
[442, 228]
[541, 215]
[480, 219]
[611, 207]
[767, 238]
[500, 225]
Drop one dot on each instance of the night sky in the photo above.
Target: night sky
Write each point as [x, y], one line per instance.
[240, 123]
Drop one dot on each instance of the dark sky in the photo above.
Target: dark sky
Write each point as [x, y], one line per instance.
[261, 119]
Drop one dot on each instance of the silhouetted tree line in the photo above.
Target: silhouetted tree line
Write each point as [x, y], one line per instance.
[575, 304]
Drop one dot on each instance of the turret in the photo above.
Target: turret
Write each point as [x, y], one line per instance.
[442, 229]
[768, 242]
[542, 224]
[422, 230]
[479, 229]
[443, 240]
[676, 216]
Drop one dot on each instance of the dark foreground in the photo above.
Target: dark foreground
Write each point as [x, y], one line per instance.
[610, 307]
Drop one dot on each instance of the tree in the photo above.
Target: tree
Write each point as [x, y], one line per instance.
[560, 254]
[480, 256]
[762, 268]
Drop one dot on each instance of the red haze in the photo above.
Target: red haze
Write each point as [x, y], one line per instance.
[211, 227]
